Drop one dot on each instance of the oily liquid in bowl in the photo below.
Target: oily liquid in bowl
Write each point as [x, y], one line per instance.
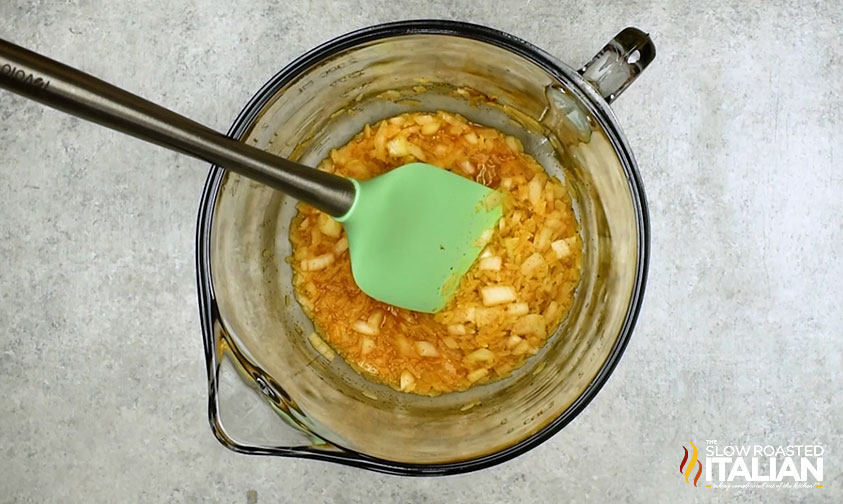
[250, 240]
[515, 294]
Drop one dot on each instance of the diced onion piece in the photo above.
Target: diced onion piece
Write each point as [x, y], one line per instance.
[497, 294]
[513, 341]
[380, 141]
[488, 316]
[329, 226]
[320, 346]
[408, 381]
[426, 349]
[531, 263]
[326, 166]
[467, 167]
[397, 147]
[374, 321]
[517, 309]
[367, 345]
[542, 240]
[490, 263]
[521, 348]
[506, 183]
[550, 311]
[534, 190]
[317, 263]
[471, 138]
[450, 342]
[456, 329]
[423, 119]
[477, 374]
[341, 246]
[480, 355]
[487, 252]
[514, 143]
[530, 324]
[492, 200]
[484, 238]
[516, 217]
[415, 151]
[363, 328]
[560, 248]
[431, 128]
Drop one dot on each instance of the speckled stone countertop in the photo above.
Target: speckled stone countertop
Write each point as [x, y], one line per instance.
[738, 130]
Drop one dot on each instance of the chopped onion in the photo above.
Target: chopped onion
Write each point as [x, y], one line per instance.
[467, 167]
[480, 355]
[513, 341]
[415, 151]
[484, 238]
[517, 309]
[487, 252]
[320, 346]
[471, 138]
[374, 321]
[341, 245]
[530, 324]
[522, 348]
[531, 263]
[497, 294]
[550, 311]
[363, 328]
[431, 128]
[317, 263]
[423, 119]
[477, 374]
[514, 143]
[426, 349]
[534, 190]
[450, 342]
[367, 345]
[490, 263]
[488, 316]
[493, 199]
[397, 147]
[456, 329]
[506, 183]
[329, 226]
[560, 248]
[408, 381]
[542, 240]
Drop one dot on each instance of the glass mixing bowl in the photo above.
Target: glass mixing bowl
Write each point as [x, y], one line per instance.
[255, 332]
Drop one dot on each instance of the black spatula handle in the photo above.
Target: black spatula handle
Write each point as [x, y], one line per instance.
[62, 87]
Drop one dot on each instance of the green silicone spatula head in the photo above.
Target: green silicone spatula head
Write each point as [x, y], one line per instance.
[413, 232]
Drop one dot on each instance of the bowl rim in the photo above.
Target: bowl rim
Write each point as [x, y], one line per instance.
[208, 309]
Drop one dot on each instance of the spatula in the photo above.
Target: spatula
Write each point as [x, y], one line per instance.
[412, 232]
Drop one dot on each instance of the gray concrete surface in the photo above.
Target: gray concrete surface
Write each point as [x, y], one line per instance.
[737, 128]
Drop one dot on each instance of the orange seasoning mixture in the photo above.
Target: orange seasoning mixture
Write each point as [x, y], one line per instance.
[511, 299]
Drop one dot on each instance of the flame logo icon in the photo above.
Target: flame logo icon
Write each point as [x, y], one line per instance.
[689, 468]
